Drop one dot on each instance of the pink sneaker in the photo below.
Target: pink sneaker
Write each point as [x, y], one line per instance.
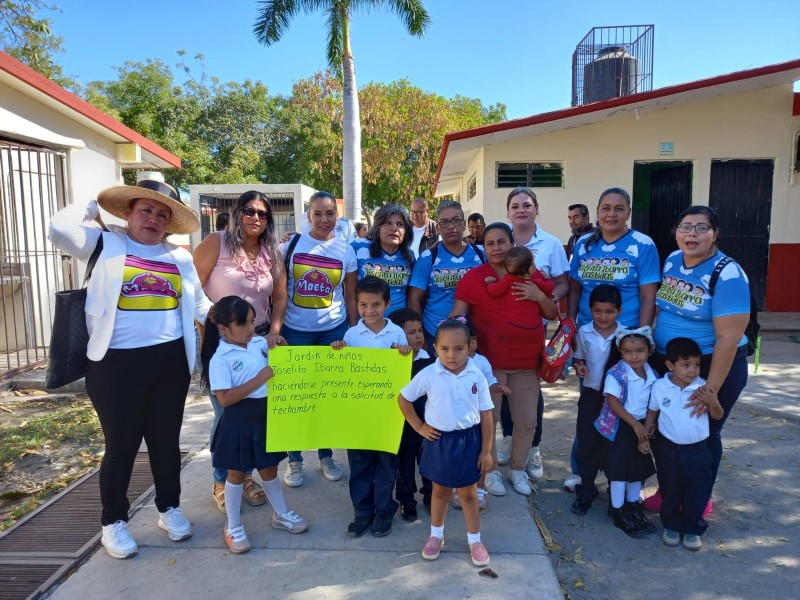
[432, 548]
[479, 554]
[709, 509]
[653, 503]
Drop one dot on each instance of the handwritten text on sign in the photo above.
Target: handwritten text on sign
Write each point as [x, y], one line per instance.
[325, 398]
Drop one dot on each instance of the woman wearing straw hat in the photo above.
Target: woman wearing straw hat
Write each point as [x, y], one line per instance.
[142, 300]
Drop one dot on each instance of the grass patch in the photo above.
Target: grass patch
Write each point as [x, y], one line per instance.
[75, 422]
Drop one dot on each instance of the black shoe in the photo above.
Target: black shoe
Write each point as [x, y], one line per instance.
[358, 527]
[382, 526]
[426, 502]
[408, 512]
[637, 510]
[579, 507]
[625, 520]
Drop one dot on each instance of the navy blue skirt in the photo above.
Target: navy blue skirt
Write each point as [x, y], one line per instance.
[623, 460]
[452, 460]
[240, 441]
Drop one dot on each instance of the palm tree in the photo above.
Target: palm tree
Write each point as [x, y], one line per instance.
[273, 21]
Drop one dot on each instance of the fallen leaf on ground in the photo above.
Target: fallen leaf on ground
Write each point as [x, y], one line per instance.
[578, 585]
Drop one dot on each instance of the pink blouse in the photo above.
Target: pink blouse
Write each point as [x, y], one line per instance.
[237, 276]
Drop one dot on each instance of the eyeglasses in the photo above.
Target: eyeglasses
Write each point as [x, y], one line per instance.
[248, 211]
[448, 223]
[700, 228]
[419, 212]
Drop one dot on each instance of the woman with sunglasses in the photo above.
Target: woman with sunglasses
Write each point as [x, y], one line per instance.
[717, 322]
[432, 287]
[244, 261]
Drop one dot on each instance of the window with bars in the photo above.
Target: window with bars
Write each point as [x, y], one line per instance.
[533, 175]
[472, 187]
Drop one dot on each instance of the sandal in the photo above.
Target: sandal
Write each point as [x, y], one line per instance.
[218, 491]
[253, 493]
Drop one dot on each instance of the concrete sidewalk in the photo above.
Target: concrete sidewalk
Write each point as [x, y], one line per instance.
[321, 563]
[324, 562]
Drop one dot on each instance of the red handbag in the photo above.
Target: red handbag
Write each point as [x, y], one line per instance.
[557, 351]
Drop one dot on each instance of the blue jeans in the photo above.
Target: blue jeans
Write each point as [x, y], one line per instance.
[294, 337]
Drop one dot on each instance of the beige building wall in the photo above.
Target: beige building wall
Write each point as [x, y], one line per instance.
[752, 125]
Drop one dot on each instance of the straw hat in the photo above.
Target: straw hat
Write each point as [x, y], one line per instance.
[116, 200]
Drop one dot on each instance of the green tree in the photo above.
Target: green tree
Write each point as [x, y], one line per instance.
[273, 20]
[29, 38]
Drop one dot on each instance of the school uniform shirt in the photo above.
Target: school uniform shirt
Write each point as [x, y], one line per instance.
[454, 401]
[638, 390]
[316, 283]
[486, 368]
[627, 264]
[548, 253]
[361, 336]
[147, 308]
[685, 304]
[233, 365]
[440, 281]
[392, 268]
[674, 421]
[594, 349]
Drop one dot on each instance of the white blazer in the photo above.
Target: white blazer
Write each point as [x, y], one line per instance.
[103, 289]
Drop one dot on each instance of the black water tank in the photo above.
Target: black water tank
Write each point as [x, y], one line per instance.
[612, 74]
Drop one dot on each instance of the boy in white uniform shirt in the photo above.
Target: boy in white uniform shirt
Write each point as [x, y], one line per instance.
[683, 458]
[372, 472]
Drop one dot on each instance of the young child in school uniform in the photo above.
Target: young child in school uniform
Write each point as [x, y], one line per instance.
[372, 472]
[458, 433]
[626, 395]
[683, 459]
[235, 369]
[408, 454]
[593, 343]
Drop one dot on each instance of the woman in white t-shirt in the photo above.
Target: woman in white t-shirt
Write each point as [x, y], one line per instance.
[141, 304]
[322, 275]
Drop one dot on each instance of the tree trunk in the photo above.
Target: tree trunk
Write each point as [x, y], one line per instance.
[351, 153]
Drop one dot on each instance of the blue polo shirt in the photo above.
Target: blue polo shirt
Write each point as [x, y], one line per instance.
[627, 263]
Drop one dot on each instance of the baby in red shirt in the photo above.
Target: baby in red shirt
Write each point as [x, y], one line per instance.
[520, 268]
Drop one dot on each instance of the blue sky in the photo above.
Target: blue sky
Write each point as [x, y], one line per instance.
[513, 51]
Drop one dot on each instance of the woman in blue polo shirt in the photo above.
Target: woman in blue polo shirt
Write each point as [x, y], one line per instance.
[432, 288]
[716, 322]
[386, 252]
[617, 255]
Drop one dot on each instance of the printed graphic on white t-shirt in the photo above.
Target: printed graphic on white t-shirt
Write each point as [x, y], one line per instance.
[149, 285]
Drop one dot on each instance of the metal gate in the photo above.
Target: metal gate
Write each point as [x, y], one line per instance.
[741, 192]
[32, 183]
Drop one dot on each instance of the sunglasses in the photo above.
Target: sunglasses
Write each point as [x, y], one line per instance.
[248, 211]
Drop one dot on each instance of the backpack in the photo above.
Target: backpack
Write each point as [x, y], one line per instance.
[557, 351]
[435, 252]
[753, 326]
[289, 250]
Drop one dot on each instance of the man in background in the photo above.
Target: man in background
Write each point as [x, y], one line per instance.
[425, 232]
[579, 223]
[476, 224]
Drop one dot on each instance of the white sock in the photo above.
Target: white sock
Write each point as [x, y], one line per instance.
[275, 494]
[473, 538]
[233, 503]
[632, 491]
[617, 489]
[437, 532]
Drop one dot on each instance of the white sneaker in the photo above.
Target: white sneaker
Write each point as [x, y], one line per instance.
[294, 474]
[237, 540]
[483, 506]
[571, 481]
[519, 480]
[330, 469]
[290, 521]
[175, 524]
[118, 541]
[494, 485]
[535, 468]
[504, 450]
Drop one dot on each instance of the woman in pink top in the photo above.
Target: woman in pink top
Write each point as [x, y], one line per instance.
[243, 261]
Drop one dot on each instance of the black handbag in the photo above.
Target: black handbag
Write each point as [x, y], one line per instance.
[69, 338]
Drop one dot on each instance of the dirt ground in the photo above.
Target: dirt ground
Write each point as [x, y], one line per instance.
[752, 546]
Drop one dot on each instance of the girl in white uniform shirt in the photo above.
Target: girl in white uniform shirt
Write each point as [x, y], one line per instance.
[457, 429]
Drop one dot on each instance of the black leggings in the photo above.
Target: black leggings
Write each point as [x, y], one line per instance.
[139, 394]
